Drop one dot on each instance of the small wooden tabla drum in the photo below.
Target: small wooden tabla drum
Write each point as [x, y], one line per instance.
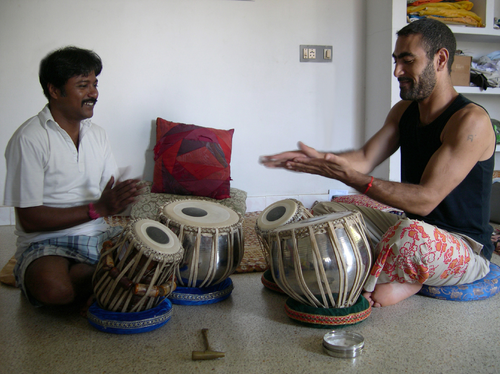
[212, 237]
[135, 271]
[280, 213]
[322, 261]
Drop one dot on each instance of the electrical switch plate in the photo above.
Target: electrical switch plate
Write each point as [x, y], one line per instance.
[327, 54]
[315, 53]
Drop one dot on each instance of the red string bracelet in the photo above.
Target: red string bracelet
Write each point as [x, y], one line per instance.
[369, 186]
[93, 214]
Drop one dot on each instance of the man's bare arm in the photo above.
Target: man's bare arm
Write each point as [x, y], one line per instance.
[382, 145]
[112, 201]
[467, 139]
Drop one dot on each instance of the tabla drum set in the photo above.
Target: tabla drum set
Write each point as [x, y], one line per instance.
[185, 256]
[320, 262]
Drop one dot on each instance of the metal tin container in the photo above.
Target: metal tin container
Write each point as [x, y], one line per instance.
[343, 344]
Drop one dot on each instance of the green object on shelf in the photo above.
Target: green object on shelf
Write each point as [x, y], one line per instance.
[496, 127]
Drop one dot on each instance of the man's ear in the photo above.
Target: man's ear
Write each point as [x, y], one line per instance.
[54, 92]
[442, 57]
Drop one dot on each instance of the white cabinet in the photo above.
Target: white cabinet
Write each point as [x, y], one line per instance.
[478, 41]
[384, 19]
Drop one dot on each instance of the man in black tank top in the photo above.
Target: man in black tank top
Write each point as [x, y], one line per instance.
[447, 158]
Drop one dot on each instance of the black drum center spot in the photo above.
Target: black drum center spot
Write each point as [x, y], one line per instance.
[157, 235]
[194, 212]
[276, 213]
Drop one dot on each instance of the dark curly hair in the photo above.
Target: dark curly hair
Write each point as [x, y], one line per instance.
[61, 65]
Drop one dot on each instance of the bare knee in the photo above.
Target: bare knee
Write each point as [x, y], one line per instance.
[47, 280]
[55, 294]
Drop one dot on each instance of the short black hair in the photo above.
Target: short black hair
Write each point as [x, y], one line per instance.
[62, 64]
[435, 35]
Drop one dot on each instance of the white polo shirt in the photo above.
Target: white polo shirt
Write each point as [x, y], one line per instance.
[45, 168]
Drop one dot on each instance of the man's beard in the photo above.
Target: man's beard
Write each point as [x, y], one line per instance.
[426, 83]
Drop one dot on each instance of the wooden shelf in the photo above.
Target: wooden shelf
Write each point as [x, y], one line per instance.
[478, 90]
[473, 33]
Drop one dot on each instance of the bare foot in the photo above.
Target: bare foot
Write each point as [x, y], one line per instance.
[368, 296]
[391, 293]
[86, 306]
[496, 241]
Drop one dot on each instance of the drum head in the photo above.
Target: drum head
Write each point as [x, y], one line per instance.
[277, 214]
[156, 236]
[201, 214]
[316, 220]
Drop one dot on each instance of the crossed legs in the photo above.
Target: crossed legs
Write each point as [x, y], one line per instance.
[410, 253]
[55, 280]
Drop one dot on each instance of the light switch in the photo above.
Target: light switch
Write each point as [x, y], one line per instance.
[315, 53]
[327, 54]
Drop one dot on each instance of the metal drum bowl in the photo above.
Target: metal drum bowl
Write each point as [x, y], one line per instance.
[343, 344]
[212, 237]
[322, 261]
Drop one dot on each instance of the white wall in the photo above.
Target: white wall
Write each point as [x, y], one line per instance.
[215, 63]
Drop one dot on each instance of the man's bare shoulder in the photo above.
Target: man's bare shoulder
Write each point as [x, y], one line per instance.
[402, 105]
[397, 111]
[473, 109]
[471, 117]
[471, 126]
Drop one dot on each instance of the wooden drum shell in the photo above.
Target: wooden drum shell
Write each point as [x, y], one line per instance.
[135, 272]
[280, 213]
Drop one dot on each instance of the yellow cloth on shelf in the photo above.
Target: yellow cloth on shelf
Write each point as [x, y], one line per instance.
[459, 12]
[460, 5]
[456, 20]
[420, 2]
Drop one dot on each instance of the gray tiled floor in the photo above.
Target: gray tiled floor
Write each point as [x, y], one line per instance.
[419, 335]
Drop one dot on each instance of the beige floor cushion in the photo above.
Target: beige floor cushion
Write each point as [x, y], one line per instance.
[7, 274]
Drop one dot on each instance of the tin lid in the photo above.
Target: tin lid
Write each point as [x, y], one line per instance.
[343, 344]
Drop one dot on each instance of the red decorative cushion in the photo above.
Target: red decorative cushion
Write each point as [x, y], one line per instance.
[192, 160]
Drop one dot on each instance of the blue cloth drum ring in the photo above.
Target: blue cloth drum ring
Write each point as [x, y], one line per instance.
[202, 296]
[480, 289]
[129, 322]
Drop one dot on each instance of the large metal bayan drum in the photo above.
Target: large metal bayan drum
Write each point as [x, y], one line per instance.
[275, 215]
[135, 271]
[212, 237]
[322, 261]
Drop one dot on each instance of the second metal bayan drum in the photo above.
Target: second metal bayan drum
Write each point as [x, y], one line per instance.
[321, 261]
[212, 237]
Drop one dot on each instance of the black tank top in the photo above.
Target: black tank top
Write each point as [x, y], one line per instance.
[466, 209]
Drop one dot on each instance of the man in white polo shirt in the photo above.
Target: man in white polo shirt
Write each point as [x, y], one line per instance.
[60, 179]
